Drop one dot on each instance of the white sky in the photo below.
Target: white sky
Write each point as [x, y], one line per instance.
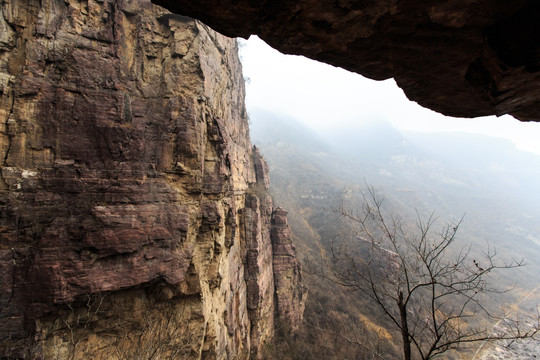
[322, 96]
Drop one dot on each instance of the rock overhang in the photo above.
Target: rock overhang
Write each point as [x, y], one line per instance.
[462, 58]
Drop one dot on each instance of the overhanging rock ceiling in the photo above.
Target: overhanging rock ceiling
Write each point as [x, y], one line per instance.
[461, 58]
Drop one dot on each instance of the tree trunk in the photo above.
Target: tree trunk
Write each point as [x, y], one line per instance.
[404, 328]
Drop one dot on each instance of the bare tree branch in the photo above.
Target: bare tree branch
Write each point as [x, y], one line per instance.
[432, 297]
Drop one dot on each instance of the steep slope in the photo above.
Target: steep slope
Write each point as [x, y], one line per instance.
[307, 179]
[134, 215]
[487, 179]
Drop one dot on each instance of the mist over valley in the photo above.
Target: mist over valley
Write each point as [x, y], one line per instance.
[489, 182]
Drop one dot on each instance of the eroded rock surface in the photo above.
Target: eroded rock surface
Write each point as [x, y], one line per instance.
[461, 58]
[290, 297]
[132, 210]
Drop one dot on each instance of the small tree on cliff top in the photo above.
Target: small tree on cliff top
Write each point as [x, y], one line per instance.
[433, 298]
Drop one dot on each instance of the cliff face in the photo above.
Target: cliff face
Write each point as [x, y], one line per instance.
[290, 298]
[458, 57]
[134, 215]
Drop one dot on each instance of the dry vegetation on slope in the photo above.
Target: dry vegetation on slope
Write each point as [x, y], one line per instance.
[309, 176]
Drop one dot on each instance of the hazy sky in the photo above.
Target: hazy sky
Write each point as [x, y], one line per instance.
[323, 96]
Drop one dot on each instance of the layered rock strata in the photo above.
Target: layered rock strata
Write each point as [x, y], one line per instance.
[461, 58]
[134, 213]
[290, 298]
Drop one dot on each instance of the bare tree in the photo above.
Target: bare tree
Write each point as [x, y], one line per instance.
[431, 293]
[101, 327]
[165, 335]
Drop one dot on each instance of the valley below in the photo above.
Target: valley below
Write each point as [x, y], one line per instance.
[487, 181]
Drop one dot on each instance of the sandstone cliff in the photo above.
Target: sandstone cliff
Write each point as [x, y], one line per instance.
[134, 214]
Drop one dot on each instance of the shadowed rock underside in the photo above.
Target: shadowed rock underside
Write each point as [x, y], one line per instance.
[460, 58]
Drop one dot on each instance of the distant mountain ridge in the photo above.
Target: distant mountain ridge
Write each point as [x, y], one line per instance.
[380, 154]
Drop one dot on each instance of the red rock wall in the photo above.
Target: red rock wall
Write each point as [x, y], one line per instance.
[127, 176]
[290, 294]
